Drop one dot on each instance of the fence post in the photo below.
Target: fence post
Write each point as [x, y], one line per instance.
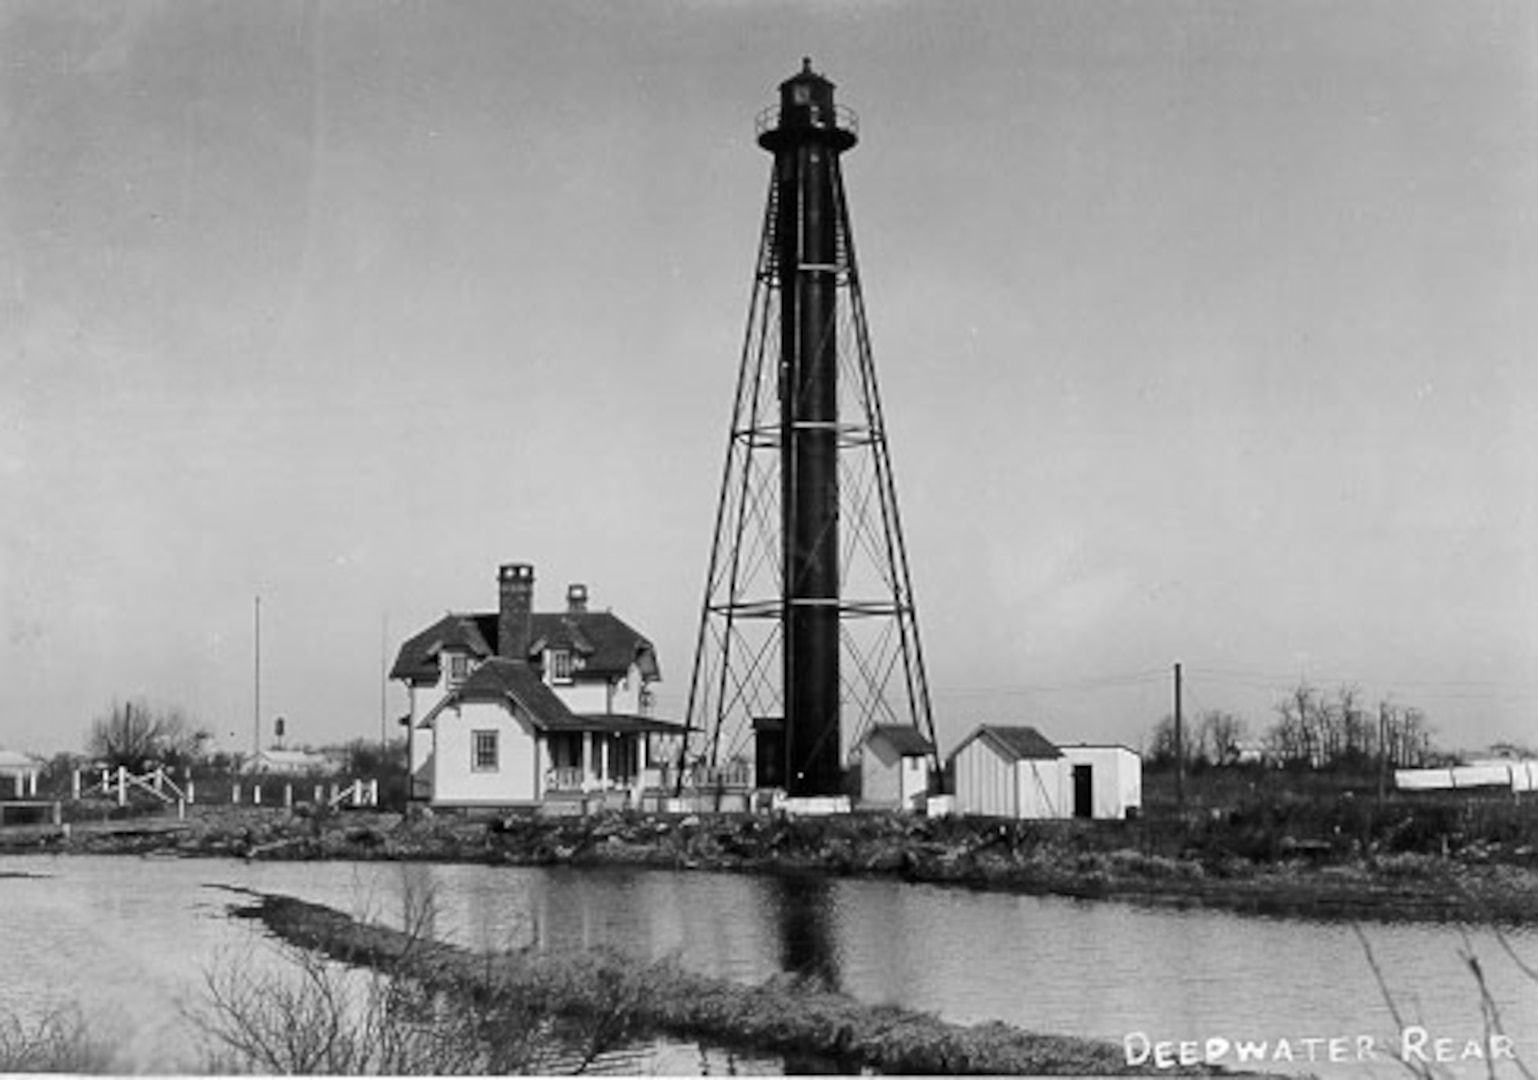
[191, 790]
[122, 785]
[235, 792]
[160, 777]
[357, 791]
[74, 785]
[58, 813]
[256, 793]
[181, 809]
[373, 792]
[288, 796]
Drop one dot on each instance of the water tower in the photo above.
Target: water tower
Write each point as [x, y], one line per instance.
[808, 633]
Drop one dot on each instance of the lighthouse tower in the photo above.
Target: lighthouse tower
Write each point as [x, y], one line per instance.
[808, 633]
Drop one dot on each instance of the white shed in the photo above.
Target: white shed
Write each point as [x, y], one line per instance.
[1106, 782]
[1011, 772]
[894, 767]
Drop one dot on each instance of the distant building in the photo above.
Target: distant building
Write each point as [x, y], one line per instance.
[1017, 772]
[287, 763]
[894, 767]
[18, 774]
[519, 707]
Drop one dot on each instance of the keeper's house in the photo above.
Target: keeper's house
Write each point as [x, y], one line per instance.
[518, 707]
[1017, 772]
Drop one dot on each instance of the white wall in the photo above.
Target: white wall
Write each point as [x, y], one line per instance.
[1117, 778]
[421, 698]
[1042, 791]
[580, 696]
[889, 779]
[880, 776]
[456, 783]
[914, 782]
[985, 783]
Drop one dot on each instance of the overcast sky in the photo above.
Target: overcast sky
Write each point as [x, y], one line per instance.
[1206, 332]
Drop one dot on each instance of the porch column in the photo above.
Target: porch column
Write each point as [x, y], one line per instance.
[587, 761]
[642, 741]
[541, 764]
[603, 761]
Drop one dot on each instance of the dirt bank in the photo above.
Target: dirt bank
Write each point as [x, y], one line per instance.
[780, 1016]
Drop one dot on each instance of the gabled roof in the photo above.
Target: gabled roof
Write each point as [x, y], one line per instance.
[606, 643]
[511, 683]
[1014, 743]
[515, 684]
[417, 660]
[905, 740]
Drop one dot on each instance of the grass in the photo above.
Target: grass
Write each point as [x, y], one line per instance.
[59, 1042]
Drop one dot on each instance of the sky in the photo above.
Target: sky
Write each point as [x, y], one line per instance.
[1205, 334]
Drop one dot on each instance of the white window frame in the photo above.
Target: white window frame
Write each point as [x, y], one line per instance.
[562, 666]
[480, 741]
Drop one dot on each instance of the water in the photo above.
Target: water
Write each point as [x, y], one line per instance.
[129, 939]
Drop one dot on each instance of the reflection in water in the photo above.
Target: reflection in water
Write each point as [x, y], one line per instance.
[803, 908]
[128, 939]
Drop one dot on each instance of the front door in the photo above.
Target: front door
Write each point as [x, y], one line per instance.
[1083, 791]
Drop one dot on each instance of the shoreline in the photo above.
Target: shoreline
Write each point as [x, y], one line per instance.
[781, 1016]
[1057, 859]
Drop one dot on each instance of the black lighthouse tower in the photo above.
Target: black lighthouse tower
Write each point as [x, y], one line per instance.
[808, 633]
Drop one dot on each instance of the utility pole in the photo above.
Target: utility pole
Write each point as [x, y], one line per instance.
[1382, 749]
[384, 679]
[256, 736]
[1180, 752]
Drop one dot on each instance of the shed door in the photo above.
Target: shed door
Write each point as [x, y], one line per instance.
[1084, 791]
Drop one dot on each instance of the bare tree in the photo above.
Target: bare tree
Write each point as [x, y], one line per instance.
[1221, 734]
[1161, 742]
[134, 734]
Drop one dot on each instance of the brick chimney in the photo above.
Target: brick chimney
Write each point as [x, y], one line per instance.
[515, 612]
[576, 599]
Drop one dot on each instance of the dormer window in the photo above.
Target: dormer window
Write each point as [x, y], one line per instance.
[560, 666]
[459, 668]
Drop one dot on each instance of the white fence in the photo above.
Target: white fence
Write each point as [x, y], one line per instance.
[118, 783]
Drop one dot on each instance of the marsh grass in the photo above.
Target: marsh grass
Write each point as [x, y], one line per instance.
[59, 1042]
[583, 1004]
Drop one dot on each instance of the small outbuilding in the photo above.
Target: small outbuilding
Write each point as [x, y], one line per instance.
[1013, 772]
[894, 767]
[1017, 772]
[1106, 782]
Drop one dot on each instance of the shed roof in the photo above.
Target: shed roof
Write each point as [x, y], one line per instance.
[904, 739]
[627, 724]
[1017, 743]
